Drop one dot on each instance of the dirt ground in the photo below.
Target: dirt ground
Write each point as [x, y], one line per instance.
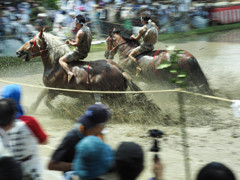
[212, 130]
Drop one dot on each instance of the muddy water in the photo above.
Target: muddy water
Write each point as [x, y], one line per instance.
[213, 131]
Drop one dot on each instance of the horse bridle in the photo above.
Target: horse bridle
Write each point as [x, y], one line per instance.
[41, 50]
[117, 45]
[32, 46]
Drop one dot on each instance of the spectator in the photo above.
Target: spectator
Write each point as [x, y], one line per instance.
[93, 159]
[25, 136]
[91, 123]
[215, 171]
[10, 169]
[129, 160]
[7, 113]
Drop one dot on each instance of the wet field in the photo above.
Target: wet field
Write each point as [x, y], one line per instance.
[213, 131]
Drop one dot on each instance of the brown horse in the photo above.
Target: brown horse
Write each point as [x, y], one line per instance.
[99, 75]
[119, 41]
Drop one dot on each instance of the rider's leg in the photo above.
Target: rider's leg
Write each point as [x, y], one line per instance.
[63, 62]
[134, 60]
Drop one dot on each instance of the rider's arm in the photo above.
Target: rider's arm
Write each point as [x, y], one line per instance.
[59, 166]
[156, 26]
[77, 40]
[140, 32]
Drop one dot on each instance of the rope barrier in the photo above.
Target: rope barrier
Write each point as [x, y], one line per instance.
[120, 92]
[88, 91]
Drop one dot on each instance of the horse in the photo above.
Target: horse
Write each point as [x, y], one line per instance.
[119, 42]
[96, 75]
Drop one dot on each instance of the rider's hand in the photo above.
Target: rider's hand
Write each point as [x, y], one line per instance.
[132, 37]
[67, 41]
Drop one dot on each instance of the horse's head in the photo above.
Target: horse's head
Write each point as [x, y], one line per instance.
[116, 38]
[113, 41]
[33, 48]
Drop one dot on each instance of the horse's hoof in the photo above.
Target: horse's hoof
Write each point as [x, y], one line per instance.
[138, 71]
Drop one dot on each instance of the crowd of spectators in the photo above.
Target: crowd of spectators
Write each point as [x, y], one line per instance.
[27, 17]
[82, 154]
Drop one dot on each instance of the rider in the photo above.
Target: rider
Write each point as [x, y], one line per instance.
[82, 45]
[149, 32]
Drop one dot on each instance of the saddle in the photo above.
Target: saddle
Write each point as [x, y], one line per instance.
[150, 53]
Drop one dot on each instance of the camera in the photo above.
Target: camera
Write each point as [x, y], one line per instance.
[155, 147]
[155, 133]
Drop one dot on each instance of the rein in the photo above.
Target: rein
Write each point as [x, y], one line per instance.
[41, 51]
[118, 45]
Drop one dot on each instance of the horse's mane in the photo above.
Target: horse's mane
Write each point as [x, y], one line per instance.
[56, 47]
[126, 34]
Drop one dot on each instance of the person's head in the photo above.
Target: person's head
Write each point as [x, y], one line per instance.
[129, 160]
[13, 91]
[10, 169]
[79, 21]
[94, 119]
[93, 158]
[145, 17]
[215, 171]
[7, 113]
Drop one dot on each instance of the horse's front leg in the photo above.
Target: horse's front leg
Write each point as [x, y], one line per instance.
[50, 97]
[40, 97]
[97, 98]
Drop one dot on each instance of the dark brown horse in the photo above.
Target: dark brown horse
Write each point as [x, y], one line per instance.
[119, 41]
[99, 75]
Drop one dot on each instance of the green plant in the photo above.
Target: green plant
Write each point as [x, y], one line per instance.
[172, 66]
[52, 4]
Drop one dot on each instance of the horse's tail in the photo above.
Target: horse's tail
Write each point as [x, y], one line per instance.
[130, 83]
[198, 76]
[139, 96]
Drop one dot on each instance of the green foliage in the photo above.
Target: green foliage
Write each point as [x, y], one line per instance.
[164, 64]
[52, 4]
[172, 67]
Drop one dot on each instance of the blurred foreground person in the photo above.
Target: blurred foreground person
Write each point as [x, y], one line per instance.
[91, 123]
[215, 171]
[25, 136]
[93, 159]
[9, 168]
[129, 160]
[7, 114]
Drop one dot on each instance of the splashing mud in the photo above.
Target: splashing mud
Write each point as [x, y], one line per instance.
[213, 131]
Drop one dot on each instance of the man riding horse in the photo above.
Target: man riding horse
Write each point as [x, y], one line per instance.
[149, 32]
[82, 45]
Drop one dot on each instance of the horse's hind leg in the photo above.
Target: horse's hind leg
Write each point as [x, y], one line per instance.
[51, 95]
